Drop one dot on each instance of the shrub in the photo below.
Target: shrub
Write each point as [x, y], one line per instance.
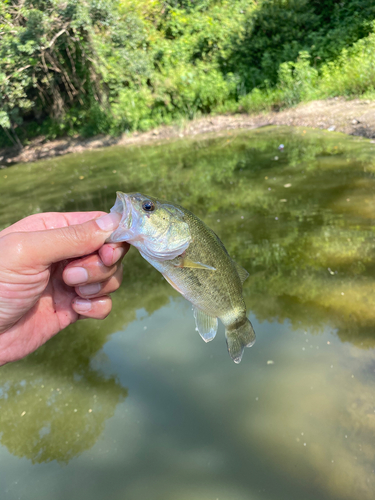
[107, 66]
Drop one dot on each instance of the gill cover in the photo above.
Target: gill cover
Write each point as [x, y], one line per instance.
[160, 233]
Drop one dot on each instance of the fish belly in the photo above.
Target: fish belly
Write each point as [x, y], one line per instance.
[204, 289]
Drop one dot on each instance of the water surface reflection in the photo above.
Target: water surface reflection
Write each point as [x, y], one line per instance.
[296, 419]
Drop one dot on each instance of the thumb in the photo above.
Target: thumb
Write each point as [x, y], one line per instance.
[42, 248]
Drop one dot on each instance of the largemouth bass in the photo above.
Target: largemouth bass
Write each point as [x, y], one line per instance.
[193, 260]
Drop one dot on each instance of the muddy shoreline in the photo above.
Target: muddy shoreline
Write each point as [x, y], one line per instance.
[353, 117]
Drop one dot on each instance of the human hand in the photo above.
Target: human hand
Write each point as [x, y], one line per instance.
[42, 290]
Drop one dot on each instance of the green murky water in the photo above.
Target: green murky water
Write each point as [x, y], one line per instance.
[138, 407]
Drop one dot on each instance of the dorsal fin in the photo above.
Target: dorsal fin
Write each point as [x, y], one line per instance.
[242, 273]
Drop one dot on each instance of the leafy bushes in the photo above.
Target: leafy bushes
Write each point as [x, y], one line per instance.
[279, 30]
[351, 74]
[108, 66]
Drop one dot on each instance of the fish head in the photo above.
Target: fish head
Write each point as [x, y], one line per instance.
[157, 228]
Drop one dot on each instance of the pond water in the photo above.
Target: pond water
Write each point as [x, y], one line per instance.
[137, 406]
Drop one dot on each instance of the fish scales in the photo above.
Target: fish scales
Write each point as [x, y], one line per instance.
[218, 293]
[193, 260]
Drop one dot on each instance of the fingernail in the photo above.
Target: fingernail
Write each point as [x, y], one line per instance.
[90, 289]
[109, 222]
[82, 305]
[75, 275]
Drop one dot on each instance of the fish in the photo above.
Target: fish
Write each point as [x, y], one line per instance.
[193, 260]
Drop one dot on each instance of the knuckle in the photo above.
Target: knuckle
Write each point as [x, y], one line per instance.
[72, 234]
[13, 244]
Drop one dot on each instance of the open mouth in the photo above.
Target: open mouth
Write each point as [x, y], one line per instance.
[123, 207]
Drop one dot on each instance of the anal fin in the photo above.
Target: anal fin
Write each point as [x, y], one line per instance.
[206, 325]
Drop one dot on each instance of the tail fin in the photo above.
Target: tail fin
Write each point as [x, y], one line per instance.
[238, 337]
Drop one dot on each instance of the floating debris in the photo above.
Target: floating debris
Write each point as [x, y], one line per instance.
[270, 362]
[287, 185]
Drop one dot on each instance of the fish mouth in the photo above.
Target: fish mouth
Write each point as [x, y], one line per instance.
[122, 206]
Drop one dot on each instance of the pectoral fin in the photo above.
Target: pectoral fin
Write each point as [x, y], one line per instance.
[206, 325]
[186, 262]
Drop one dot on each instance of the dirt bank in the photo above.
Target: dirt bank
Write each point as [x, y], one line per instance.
[354, 117]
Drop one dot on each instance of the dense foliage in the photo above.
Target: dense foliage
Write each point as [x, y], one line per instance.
[115, 65]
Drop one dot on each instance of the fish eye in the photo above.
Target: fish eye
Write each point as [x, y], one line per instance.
[148, 206]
